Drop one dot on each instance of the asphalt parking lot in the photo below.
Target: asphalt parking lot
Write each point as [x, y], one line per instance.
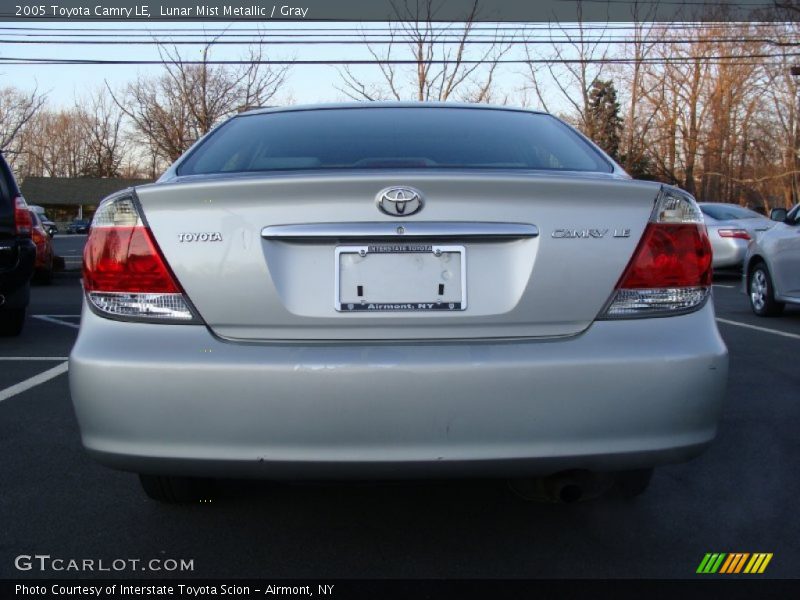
[740, 496]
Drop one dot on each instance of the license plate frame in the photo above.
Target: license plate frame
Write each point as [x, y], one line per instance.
[405, 305]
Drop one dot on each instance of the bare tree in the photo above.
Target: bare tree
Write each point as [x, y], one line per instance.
[83, 141]
[772, 151]
[188, 100]
[55, 145]
[442, 65]
[713, 129]
[101, 125]
[17, 108]
[673, 93]
[730, 97]
[635, 86]
[575, 62]
[158, 112]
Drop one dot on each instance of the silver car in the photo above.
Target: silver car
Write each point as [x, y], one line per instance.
[730, 229]
[392, 290]
[772, 276]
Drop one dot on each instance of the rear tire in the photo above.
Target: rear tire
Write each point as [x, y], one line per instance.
[761, 292]
[11, 322]
[634, 483]
[177, 490]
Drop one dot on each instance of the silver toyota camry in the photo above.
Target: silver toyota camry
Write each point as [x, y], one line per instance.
[772, 274]
[388, 290]
[730, 228]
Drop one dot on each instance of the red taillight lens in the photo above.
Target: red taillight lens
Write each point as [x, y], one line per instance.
[739, 234]
[670, 256]
[125, 259]
[22, 217]
[670, 271]
[124, 272]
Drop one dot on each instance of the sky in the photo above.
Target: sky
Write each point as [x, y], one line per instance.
[63, 83]
[306, 83]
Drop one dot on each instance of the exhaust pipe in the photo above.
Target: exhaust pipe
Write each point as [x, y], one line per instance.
[564, 487]
[568, 492]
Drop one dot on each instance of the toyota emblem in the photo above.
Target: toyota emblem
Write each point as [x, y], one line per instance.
[399, 201]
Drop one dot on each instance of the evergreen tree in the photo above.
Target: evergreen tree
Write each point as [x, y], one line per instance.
[603, 120]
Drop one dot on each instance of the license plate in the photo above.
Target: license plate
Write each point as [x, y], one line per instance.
[400, 277]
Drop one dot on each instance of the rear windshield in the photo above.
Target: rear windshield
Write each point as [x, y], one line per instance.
[726, 212]
[375, 138]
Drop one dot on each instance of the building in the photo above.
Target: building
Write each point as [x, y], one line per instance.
[68, 198]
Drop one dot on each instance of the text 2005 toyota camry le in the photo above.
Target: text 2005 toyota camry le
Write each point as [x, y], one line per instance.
[381, 290]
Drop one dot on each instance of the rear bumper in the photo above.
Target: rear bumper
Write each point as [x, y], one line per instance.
[174, 399]
[727, 252]
[43, 257]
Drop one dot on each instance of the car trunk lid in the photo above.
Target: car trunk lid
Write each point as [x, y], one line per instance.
[537, 255]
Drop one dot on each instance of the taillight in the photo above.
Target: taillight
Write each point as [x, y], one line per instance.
[22, 217]
[37, 236]
[124, 272]
[740, 234]
[670, 271]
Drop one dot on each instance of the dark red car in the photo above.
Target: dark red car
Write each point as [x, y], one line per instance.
[45, 257]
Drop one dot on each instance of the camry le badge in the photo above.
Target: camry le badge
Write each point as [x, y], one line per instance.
[399, 201]
[589, 233]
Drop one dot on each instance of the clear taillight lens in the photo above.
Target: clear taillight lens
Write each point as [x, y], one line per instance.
[670, 271]
[124, 272]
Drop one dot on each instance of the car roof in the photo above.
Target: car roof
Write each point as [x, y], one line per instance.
[382, 104]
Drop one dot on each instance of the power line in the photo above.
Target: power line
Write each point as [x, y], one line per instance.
[513, 36]
[197, 39]
[398, 26]
[661, 60]
[360, 34]
[381, 41]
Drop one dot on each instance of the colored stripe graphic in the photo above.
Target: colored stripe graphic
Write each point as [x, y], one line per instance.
[733, 563]
[741, 562]
[726, 566]
[717, 564]
[758, 563]
[765, 563]
[711, 563]
[703, 563]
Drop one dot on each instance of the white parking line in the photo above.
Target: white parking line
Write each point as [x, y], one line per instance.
[23, 386]
[33, 358]
[794, 336]
[51, 319]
